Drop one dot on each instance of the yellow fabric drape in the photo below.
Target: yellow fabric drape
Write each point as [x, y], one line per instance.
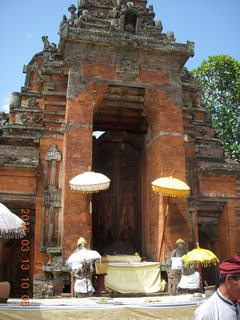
[130, 313]
[134, 278]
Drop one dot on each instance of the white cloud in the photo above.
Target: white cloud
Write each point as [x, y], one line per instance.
[29, 35]
[4, 105]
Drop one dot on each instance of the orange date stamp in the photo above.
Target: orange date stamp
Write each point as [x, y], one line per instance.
[25, 263]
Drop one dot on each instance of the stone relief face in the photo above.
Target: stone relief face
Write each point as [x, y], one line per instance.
[127, 64]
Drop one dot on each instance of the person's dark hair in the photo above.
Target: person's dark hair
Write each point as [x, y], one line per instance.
[222, 277]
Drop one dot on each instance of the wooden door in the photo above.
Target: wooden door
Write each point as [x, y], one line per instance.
[17, 265]
[209, 273]
[117, 211]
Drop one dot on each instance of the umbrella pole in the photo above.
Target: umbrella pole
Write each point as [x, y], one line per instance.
[86, 275]
[164, 226]
[200, 274]
[90, 212]
[196, 224]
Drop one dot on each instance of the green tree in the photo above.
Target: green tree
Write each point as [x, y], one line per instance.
[219, 77]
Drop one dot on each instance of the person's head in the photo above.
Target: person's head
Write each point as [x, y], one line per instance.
[230, 277]
[180, 243]
[81, 242]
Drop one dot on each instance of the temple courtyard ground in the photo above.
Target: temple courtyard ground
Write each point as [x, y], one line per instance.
[104, 308]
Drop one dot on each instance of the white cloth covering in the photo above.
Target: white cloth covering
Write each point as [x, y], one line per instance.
[83, 286]
[176, 263]
[217, 307]
[190, 282]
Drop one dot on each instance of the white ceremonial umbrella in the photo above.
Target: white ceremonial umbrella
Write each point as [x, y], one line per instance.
[90, 182]
[82, 255]
[11, 226]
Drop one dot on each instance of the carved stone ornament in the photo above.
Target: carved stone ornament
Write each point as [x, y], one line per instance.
[66, 126]
[53, 153]
[37, 117]
[203, 131]
[3, 119]
[15, 100]
[75, 83]
[32, 102]
[24, 117]
[127, 64]
[47, 46]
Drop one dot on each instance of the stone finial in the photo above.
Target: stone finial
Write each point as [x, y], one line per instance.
[47, 46]
[158, 24]
[150, 9]
[72, 8]
[170, 36]
[15, 100]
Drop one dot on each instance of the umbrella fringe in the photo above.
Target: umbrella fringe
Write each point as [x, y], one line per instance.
[13, 233]
[203, 264]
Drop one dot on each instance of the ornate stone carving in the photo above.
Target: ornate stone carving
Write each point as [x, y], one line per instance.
[52, 204]
[127, 64]
[84, 4]
[37, 117]
[47, 46]
[26, 156]
[74, 17]
[66, 126]
[203, 131]
[53, 153]
[190, 47]
[125, 38]
[99, 14]
[3, 119]
[158, 24]
[52, 195]
[32, 102]
[24, 117]
[170, 36]
[75, 84]
[15, 100]
[124, 17]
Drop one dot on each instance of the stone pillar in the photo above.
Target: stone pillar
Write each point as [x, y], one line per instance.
[165, 153]
[77, 158]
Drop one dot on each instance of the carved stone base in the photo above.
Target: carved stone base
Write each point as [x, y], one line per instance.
[173, 280]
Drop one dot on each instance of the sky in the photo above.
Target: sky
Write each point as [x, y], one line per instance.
[214, 26]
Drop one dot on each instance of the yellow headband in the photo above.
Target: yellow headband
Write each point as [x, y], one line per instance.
[81, 240]
[180, 240]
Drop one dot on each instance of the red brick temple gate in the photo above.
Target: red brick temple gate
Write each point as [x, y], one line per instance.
[114, 71]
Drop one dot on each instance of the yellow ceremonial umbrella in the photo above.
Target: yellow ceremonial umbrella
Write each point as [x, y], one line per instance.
[170, 187]
[200, 257]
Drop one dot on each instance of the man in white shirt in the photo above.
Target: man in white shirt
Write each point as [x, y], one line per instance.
[223, 304]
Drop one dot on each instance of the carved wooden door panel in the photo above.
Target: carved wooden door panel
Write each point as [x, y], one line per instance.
[116, 212]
